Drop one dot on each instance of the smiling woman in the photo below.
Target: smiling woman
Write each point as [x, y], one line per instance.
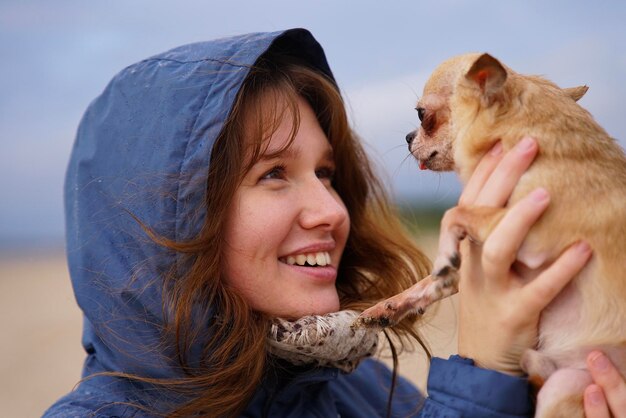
[224, 229]
[274, 216]
[288, 227]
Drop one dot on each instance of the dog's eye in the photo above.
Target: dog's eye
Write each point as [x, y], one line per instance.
[420, 113]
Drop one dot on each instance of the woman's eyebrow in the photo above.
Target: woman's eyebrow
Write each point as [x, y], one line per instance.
[294, 153]
[288, 153]
[329, 156]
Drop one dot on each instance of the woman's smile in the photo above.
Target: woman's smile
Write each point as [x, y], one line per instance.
[310, 259]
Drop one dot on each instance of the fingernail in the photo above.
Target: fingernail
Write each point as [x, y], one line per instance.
[540, 195]
[595, 396]
[496, 149]
[583, 247]
[525, 144]
[599, 362]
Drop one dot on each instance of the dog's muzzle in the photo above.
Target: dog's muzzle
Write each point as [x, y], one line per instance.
[410, 137]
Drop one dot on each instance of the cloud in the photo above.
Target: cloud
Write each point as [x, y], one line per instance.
[60, 55]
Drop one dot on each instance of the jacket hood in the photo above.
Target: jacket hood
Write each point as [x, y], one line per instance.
[143, 148]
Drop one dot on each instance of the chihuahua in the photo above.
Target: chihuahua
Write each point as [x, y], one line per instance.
[469, 103]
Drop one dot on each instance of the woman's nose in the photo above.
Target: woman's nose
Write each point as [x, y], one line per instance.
[322, 207]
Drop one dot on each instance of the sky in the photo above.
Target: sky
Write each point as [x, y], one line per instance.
[58, 55]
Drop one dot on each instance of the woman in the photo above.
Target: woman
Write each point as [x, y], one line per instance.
[224, 225]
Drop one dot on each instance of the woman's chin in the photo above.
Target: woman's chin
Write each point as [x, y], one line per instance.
[310, 305]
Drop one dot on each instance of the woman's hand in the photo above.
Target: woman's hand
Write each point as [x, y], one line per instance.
[498, 310]
[608, 395]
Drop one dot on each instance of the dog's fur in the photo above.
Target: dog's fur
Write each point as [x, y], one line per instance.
[469, 103]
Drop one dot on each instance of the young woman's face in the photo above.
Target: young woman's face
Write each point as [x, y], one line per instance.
[287, 227]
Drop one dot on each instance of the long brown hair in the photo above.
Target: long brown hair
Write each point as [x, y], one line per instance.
[379, 260]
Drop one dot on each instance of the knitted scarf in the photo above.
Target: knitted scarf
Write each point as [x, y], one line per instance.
[326, 340]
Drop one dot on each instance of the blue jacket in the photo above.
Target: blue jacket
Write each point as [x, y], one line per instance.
[143, 148]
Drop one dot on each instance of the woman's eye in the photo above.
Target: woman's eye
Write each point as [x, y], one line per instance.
[326, 173]
[420, 113]
[277, 172]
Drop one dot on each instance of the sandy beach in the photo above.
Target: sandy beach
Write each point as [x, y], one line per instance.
[41, 356]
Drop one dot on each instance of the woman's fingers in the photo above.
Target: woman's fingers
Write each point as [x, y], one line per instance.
[543, 289]
[595, 403]
[502, 245]
[480, 175]
[498, 187]
[613, 385]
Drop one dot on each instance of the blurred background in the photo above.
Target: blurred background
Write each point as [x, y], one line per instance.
[57, 56]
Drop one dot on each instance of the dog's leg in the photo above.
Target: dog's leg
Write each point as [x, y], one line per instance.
[413, 300]
[461, 221]
[457, 223]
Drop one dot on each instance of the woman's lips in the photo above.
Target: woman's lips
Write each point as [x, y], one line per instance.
[325, 274]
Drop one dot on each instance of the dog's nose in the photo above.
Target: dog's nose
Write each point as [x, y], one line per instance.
[409, 137]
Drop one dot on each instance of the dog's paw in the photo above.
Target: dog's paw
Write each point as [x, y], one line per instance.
[381, 315]
[391, 311]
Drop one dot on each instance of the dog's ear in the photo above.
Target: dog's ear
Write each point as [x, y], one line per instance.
[488, 74]
[576, 93]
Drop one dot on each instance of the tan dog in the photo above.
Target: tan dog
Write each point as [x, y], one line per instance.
[469, 103]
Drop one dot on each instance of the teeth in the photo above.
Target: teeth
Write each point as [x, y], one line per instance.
[321, 259]
[312, 259]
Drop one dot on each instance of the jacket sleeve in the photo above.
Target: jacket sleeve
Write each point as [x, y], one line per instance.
[457, 388]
